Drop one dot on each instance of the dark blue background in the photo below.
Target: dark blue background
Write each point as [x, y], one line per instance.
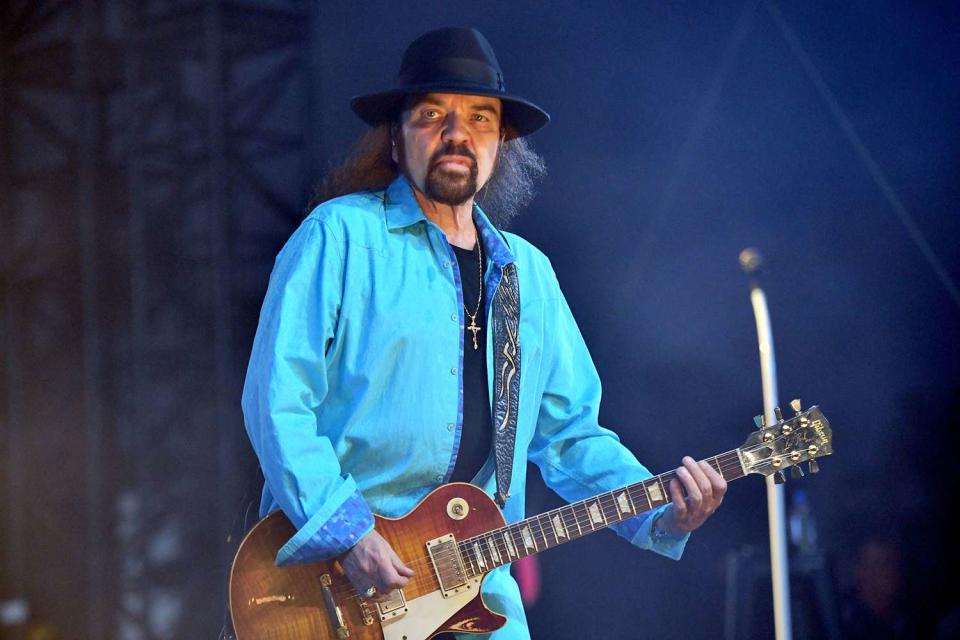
[682, 133]
[155, 156]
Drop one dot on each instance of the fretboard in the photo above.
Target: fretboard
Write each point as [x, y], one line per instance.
[541, 532]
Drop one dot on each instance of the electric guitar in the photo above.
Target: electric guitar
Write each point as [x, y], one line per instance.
[453, 538]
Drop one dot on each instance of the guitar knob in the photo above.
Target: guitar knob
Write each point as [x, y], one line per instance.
[778, 413]
[779, 477]
[814, 467]
[758, 420]
[796, 472]
[795, 405]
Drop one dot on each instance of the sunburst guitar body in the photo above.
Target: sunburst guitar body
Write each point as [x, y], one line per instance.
[316, 601]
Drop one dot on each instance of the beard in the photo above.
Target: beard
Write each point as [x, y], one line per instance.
[451, 187]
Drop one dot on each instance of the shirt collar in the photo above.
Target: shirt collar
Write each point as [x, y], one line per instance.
[401, 207]
[403, 210]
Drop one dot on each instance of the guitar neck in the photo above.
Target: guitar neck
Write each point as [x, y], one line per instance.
[547, 530]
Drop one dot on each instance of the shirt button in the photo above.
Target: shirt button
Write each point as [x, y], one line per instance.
[451, 427]
[439, 478]
[446, 265]
[453, 370]
[454, 317]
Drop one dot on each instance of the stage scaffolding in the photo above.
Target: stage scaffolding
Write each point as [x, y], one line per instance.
[154, 157]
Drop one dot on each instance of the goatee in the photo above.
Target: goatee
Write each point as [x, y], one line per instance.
[451, 187]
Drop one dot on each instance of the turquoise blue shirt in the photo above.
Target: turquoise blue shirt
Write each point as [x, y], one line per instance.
[353, 396]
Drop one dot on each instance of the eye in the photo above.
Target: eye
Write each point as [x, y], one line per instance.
[479, 117]
[430, 114]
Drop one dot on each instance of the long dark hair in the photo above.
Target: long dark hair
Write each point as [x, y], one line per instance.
[369, 165]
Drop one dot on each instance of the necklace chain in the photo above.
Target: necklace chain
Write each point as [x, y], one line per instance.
[474, 327]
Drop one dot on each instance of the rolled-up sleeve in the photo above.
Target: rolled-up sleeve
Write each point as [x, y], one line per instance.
[285, 385]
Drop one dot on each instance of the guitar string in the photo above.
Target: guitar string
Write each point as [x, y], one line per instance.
[604, 501]
[724, 462]
[728, 461]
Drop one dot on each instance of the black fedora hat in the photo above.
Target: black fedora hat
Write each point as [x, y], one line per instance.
[451, 60]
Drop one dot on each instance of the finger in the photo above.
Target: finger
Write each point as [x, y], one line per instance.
[716, 480]
[401, 568]
[398, 564]
[676, 494]
[698, 475]
[390, 579]
[690, 485]
[718, 484]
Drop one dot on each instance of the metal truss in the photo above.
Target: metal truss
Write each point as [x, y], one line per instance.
[154, 157]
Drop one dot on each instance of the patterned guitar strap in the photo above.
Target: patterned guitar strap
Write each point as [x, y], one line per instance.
[506, 377]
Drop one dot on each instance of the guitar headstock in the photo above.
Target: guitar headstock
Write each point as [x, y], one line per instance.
[787, 443]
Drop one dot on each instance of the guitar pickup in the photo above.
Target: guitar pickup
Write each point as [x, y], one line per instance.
[448, 565]
[395, 606]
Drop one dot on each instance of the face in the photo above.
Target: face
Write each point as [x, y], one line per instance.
[447, 144]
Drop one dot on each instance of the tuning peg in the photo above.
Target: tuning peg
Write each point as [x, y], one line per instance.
[796, 472]
[776, 412]
[795, 405]
[779, 477]
[758, 420]
[813, 466]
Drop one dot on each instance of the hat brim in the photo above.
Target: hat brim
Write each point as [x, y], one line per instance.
[520, 117]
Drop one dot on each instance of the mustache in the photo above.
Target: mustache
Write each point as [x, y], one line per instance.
[453, 150]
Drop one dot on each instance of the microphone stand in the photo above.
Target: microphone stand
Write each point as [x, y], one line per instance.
[750, 262]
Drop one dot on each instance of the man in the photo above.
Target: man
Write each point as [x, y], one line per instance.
[405, 342]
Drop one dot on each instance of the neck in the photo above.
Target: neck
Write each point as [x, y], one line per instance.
[489, 550]
[456, 221]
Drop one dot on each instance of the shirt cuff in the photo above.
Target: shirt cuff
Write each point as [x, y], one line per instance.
[643, 536]
[344, 518]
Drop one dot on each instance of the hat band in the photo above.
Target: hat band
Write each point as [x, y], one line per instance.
[453, 71]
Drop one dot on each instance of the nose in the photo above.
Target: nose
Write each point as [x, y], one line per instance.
[454, 128]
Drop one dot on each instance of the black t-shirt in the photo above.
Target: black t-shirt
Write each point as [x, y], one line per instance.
[476, 436]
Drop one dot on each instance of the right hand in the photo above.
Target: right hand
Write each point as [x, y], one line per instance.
[372, 562]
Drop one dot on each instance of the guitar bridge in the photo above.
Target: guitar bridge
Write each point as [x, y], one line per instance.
[448, 565]
[394, 606]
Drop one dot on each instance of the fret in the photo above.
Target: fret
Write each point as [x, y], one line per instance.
[543, 536]
[543, 539]
[494, 551]
[625, 505]
[543, 531]
[478, 552]
[470, 562]
[608, 504]
[577, 509]
[595, 514]
[637, 492]
[518, 542]
[528, 540]
[566, 514]
[716, 465]
[586, 517]
[488, 553]
[507, 546]
[666, 493]
[570, 513]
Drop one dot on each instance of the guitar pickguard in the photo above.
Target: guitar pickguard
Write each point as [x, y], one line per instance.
[426, 613]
